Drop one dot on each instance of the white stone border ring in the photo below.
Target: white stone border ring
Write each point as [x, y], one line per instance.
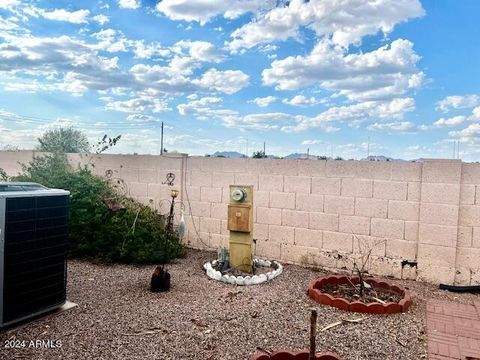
[245, 280]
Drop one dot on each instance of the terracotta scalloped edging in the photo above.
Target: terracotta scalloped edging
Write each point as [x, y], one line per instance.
[293, 355]
[314, 291]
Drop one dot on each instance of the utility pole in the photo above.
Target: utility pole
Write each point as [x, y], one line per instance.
[264, 153]
[308, 153]
[246, 153]
[161, 141]
[454, 148]
[368, 147]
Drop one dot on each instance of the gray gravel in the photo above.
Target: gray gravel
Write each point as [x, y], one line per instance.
[119, 318]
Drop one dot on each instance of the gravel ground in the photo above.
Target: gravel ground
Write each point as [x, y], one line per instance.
[119, 318]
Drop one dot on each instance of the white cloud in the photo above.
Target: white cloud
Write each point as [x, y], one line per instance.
[454, 121]
[198, 107]
[301, 101]
[345, 22]
[74, 17]
[201, 50]
[263, 101]
[458, 102]
[203, 11]
[382, 73]
[395, 108]
[400, 126]
[139, 105]
[312, 142]
[228, 81]
[468, 135]
[141, 118]
[129, 4]
[101, 19]
[5, 4]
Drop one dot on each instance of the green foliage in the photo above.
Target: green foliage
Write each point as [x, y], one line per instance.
[259, 155]
[3, 175]
[104, 225]
[66, 140]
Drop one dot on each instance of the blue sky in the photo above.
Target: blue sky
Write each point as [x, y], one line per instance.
[399, 77]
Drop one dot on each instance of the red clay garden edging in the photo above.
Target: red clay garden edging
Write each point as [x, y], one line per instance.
[292, 355]
[314, 291]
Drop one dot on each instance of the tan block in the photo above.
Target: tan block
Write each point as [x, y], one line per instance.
[436, 275]
[268, 249]
[434, 255]
[337, 241]
[199, 208]
[148, 201]
[281, 234]
[295, 218]
[148, 175]
[321, 221]
[234, 165]
[137, 189]
[219, 211]
[357, 187]
[407, 171]
[297, 184]
[470, 173]
[309, 238]
[413, 191]
[213, 195]
[354, 224]
[463, 276]
[350, 168]
[326, 186]
[161, 191]
[441, 171]
[272, 166]
[224, 228]
[467, 194]
[210, 225]
[401, 249]
[217, 241]
[261, 198]
[260, 231]
[194, 163]
[476, 237]
[339, 205]
[390, 190]
[312, 168]
[465, 236]
[246, 179]
[380, 170]
[437, 234]
[323, 259]
[129, 174]
[469, 258]
[192, 191]
[282, 200]
[387, 228]
[270, 182]
[221, 179]
[296, 254]
[199, 178]
[226, 196]
[269, 216]
[403, 210]
[371, 207]
[440, 214]
[309, 202]
[469, 215]
[363, 245]
[411, 230]
[441, 193]
[385, 267]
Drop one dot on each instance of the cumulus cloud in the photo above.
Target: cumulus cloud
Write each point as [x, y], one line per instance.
[301, 101]
[129, 4]
[203, 11]
[264, 101]
[399, 126]
[74, 17]
[312, 142]
[458, 102]
[454, 121]
[101, 19]
[201, 50]
[382, 73]
[228, 81]
[345, 22]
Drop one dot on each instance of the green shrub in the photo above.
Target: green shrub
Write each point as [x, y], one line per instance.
[104, 224]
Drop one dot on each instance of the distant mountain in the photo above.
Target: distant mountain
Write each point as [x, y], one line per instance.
[300, 156]
[228, 154]
[382, 158]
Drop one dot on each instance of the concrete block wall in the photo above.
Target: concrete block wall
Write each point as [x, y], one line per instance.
[320, 213]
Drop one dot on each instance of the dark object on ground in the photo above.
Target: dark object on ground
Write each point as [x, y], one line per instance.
[160, 280]
[469, 289]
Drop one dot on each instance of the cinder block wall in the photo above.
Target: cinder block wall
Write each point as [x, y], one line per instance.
[320, 213]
